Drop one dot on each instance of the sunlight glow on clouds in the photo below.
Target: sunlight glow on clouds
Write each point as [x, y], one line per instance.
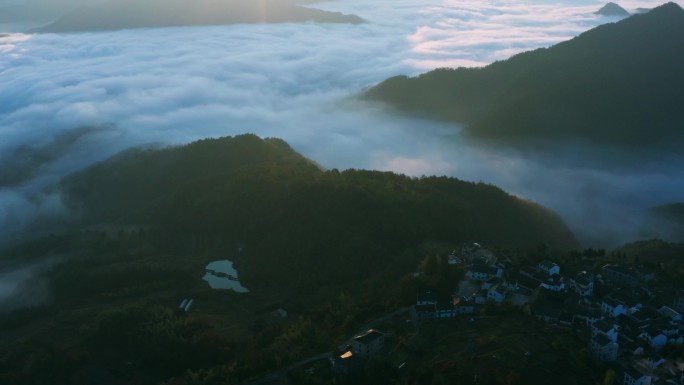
[486, 31]
[293, 81]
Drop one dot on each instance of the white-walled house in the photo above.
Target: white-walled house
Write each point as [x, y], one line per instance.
[670, 313]
[497, 293]
[554, 283]
[606, 328]
[454, 260]
[584, 284]
[654, 337]
[548, 267]
[612, 307]
[368, 344]
[463, 305]
[484, 272]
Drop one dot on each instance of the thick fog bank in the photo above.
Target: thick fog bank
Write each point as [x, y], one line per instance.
[69, 100]
[22, 286]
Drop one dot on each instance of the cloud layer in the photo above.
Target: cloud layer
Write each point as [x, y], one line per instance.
[82, 97]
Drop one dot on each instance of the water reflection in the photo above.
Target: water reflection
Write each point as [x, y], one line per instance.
[222, 275]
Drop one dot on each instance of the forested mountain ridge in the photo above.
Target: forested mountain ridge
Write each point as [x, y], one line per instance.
[308, 226]
[148, 175]
[128, 14]
[612, 9]
[620, 83]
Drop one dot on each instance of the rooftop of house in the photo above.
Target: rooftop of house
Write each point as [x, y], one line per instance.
[454, 260]
[484, 269]
[583, 279]
[529, 270]
[540, 276]
[522, 290]
[555, 279]
[632, 372]
[462, 301]
[588, 311]
[626, 321]
[629, 346]
[633, 334]
[628, 296]
[565, 317]
[619, 269]
[430, 308]
[645, 313]
[494, 280]
[665, 326]
[601, 340]
[653, 356]
[652, 331]
[369, 336]
[499, 288]
[603, 326]
[426, 296]
[471, 246]
[528, 282]
[612, 302]
[669, 312]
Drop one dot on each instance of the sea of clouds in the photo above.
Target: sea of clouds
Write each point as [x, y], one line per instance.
[68, 100]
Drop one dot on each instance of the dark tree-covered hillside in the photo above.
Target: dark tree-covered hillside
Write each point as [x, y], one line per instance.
[304, 226]
[619, 83]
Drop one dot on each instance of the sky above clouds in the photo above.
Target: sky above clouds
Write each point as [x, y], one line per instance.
[69, 100]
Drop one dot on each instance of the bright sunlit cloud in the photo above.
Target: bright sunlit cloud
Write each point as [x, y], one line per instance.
[297, 82]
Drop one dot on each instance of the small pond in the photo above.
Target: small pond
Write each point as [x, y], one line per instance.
[222, 275]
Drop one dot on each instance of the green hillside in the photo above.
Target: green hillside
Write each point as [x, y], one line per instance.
[617, 83]
[330, 247]
[304, 227]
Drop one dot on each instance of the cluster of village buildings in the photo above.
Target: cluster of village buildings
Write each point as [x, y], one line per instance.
[633, 318]
[630, 324]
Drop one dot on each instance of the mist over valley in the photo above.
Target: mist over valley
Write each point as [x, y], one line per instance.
[146, 145]
[72, 99]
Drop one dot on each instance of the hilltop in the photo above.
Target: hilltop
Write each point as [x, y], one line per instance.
[128, 14]
[617, 83]
[612, 9]
[309, 227]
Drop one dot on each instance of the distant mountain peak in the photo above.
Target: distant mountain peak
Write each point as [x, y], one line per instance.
[612, 9]
[667, 8]
[661, 20]
[650, 23]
